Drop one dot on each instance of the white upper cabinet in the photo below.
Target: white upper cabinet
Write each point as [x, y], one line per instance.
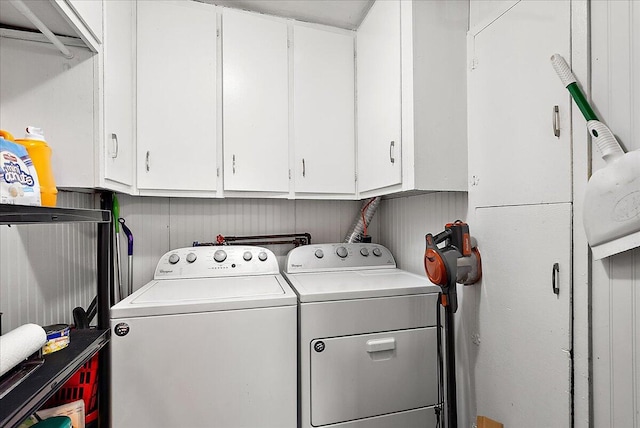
[323, 111]
[379, 97]
[255, 104]
[513, 94]
[411, 97]
[176, 98]
[119, 95]
[85, 17]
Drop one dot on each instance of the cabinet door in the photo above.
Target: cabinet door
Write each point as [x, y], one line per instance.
[523, 363]
[255, 103]
[119, 96]
[379, 102]
[323, 111]
[176, 103]
[514, 156]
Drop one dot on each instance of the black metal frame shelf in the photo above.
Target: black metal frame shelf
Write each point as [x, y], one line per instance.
[31, 393]
[43, 382]
[25, 214]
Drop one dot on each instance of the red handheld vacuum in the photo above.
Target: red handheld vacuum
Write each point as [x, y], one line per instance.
[457, 261]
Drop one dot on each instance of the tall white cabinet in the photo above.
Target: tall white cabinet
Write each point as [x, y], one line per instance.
[176, 98]
[521, 213]
[515, 157]
[255, 105]
[323, 111]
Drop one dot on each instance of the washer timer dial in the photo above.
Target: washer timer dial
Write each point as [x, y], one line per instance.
[342, 252]
[220, 256]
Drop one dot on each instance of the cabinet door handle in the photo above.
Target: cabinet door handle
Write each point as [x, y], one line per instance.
[391, 157]
[556, 121]
[147, 160]
[114, 138]
[304, 169]
[233, 164]
[555, 278]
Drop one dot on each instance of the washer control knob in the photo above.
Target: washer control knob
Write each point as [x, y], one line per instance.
[174, 258]
[220, 256]
[247, 256]
[262, 256]
[319, 253]
[341, 252]
[364, 251]
[191, 257]
[377, 252]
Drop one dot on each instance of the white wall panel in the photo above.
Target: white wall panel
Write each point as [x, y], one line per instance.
[47, 270]
[148, 219]
[616, 280]
[405, 221]
[329, 221]
[162, 224]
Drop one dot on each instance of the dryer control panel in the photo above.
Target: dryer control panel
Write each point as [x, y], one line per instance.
[340, 256]
[216, 261]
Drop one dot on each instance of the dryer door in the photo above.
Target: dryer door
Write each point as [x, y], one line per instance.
[356, 377]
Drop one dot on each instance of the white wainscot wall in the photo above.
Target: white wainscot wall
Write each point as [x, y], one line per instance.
[616, 280]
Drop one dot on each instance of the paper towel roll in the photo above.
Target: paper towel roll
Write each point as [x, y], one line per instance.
[18, 344]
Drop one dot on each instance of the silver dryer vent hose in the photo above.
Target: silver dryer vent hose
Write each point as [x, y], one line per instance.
[369, 207]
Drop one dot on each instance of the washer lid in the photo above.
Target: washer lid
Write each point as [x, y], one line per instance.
[181, 296]
[358, 284]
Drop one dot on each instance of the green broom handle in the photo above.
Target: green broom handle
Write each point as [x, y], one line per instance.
[569, 80]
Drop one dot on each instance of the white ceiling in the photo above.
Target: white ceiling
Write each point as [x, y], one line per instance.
[337, 13]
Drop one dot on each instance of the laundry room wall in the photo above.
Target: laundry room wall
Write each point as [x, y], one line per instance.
[161, 224]
[615, 51]
[47, 270]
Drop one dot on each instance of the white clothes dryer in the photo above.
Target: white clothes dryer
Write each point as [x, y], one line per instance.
[367, 338]
[210, 342]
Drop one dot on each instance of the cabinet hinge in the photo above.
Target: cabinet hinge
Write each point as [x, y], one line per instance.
[217, 172]
[218, 33]
[473, 64]
[289, 174]
[356, 177]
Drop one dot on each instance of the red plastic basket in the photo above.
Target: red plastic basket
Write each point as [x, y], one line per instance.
[83, 385]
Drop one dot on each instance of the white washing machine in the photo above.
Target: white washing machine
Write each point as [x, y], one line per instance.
[367, 338]
[210, 342]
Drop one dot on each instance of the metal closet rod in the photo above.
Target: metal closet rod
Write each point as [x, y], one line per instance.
[298, 240]
[24, 9]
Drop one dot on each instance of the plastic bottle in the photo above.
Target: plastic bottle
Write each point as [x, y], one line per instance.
[40, 154]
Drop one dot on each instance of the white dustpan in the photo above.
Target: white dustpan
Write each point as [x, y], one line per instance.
[612, 198]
